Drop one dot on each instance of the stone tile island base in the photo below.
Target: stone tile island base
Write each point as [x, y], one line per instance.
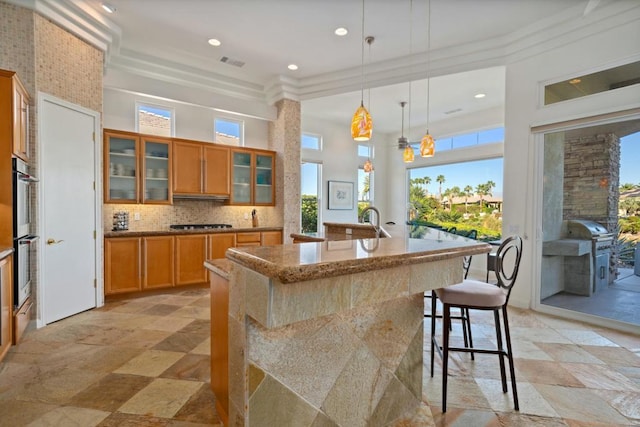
[335, 351]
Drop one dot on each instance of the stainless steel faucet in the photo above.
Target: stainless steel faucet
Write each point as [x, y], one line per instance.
[376, 226]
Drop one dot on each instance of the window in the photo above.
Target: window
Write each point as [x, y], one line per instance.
[489, 136]
[229, 131]
[311, 141]
[310, 179]
[365, 191]
[467, 196]
[588, 84]
[154, 120]
[365, 151]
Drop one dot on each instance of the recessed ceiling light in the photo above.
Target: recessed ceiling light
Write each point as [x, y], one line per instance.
[479, 95]
[108, 8]
[292, 67]
[214, 42]
[341, 31]
[575, 81]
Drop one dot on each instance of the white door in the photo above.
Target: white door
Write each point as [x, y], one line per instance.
[68, 172]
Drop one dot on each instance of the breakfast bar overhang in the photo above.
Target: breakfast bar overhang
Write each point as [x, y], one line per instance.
[330, 333]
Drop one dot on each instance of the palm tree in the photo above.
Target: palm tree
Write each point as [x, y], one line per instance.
[454, 192]
[481, 191]
[467, 192]
[366, 187]
[426, 181]
[440, 180]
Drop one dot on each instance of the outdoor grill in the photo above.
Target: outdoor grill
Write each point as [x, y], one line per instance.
[601, 244]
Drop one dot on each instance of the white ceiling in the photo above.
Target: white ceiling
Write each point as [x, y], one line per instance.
[270, 34]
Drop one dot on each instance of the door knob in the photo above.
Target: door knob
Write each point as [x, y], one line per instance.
[53, 241]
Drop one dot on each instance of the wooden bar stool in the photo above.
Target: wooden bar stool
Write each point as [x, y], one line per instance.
[478, 295]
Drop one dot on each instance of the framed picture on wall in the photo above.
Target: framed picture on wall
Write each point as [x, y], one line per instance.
[340, 195]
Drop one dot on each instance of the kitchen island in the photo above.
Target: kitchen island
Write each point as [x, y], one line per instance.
[329, 333]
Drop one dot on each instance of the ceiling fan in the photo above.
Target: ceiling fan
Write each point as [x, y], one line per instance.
[403, 142]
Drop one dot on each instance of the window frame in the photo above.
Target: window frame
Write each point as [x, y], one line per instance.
[240, 123]
[172, 116]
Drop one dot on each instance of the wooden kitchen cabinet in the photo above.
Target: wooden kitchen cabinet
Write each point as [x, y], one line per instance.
[122, 265]
[15, 106]
[138, 263]
[191, 253]
[158, 265]
[137, 168]
[6, 305]
[219, 243]
[252, 177]
[252, 238]
[271, 238]
[200, 169]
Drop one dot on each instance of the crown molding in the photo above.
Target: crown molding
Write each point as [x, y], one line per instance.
[92, 26]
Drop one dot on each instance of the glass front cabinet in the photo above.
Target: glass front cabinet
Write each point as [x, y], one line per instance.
[252, 177]
[137, 168]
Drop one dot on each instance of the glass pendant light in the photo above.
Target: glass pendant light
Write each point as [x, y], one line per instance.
[368, 166]
[428, 144]
[361, 124]
[407, 155]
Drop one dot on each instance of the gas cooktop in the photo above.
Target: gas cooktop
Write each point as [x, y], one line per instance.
[198, 226]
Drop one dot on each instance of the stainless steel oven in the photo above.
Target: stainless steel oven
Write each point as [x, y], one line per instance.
[23, 242]
[22, 185]
[24, 258]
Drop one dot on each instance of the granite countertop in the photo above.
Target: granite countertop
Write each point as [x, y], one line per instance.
[321, 236]
[220, 266]
[306, 261]
[5, 252]
[169, 232]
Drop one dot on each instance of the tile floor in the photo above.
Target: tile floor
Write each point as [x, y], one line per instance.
[145, 362]
[618, 301]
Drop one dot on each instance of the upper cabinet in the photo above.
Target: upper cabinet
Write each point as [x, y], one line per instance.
[252, 177]
[16, 107]
[137, 168]
[201, 169]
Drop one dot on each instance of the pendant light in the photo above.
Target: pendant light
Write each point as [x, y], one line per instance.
[361, 124]
[407, 155]
[428, 144]
[368, 165]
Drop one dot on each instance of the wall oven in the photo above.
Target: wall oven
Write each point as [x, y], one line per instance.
[23, 242]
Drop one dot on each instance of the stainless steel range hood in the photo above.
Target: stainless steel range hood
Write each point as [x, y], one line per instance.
[201, 197]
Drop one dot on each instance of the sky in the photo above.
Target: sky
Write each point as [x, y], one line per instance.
[629, 159]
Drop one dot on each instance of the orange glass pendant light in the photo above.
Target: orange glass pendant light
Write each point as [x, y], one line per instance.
[427, 145]
[408, 155]
[368, 166]
[361, 124]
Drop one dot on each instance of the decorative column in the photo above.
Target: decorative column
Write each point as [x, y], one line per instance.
[284, 138]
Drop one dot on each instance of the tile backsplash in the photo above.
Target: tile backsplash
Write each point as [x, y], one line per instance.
[160, 217]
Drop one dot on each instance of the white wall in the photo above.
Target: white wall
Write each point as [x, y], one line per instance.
[340, 162]
[191, 122]
[522, 199]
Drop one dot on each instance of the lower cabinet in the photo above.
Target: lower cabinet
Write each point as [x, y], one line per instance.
[122, 266]
[191, 253]
[248, 239]
[219, 243]
[158, 266]
[6, 305]
[134, 264]
[271, 238]
[137, 263]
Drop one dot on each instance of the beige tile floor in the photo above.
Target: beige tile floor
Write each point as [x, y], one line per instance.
[145, 362]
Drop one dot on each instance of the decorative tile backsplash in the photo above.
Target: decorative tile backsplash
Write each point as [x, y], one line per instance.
[160, 217]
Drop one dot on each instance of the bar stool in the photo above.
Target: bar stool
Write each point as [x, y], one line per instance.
[473, 294]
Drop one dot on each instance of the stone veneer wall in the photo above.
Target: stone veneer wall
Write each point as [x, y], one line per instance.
[284, 138]
[592, 182]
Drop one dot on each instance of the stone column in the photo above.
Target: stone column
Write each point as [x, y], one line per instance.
[284, 138]
[592, 182]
